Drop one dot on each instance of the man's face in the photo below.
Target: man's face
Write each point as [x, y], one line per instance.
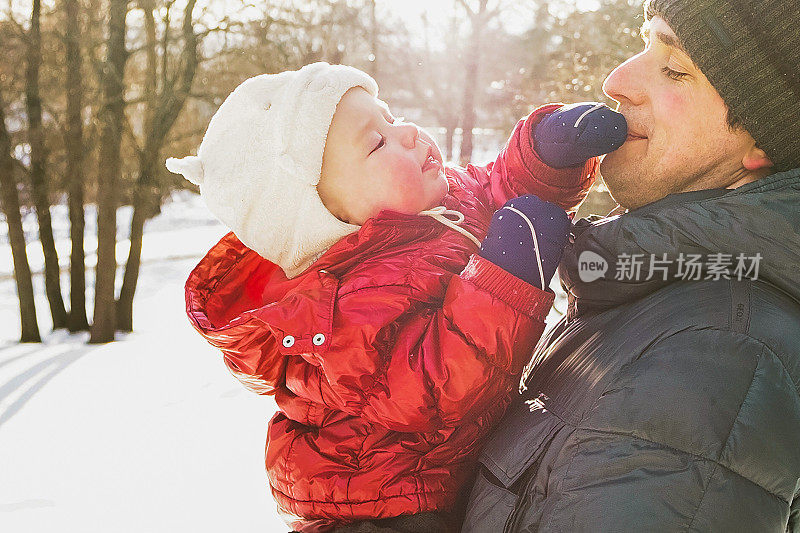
[373, 162]
[679, 139]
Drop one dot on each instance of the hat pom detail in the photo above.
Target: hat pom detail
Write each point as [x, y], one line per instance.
[190, 167]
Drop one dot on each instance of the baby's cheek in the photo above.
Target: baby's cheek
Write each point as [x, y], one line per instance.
[407, 187]
[403, 169]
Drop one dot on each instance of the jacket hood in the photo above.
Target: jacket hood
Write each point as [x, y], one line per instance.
[760, 219]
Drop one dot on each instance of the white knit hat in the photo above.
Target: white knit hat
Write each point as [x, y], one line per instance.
[261, 158]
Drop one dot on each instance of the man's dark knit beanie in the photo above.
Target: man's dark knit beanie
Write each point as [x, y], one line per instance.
[750, 52]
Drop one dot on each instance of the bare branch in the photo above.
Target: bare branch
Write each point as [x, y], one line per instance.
[220, 28]
[22, 33]
[206, 97]
[22, 168]
[128, 129]
[466, 6]
[54, 115]
[188, 135]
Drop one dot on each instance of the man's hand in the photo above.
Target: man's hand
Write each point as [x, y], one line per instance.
[577, 132]
[526, 238]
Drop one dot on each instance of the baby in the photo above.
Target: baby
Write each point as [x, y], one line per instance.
[354, 286]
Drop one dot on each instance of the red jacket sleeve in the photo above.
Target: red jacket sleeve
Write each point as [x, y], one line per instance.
[518, 170]
[226, 314]
[442, 365]
[382, 353]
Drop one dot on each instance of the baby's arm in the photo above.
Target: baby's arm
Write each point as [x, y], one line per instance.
[453, 363]
[256, 338]
[546, 139]
[364, 353]
[443, 364]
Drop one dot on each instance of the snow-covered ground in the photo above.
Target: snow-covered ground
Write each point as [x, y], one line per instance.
[148, 434]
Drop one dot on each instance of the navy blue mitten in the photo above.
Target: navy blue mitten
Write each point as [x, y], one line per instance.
[512, 246]
[577, 132]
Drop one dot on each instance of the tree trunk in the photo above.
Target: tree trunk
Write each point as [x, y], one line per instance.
[74, 148]
[39, 188]
[472, 67]
[111, 117]
[16, 236]
[162, 111]
[450, 124]
[144, 198]
[373, 39]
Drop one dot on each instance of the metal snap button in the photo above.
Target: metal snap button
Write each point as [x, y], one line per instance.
[319, 339]
[288, 341]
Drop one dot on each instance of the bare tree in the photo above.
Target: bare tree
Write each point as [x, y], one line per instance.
[16, 236]
[112, 117]
[479, 16]
[374, 41]
[438, 93]
[162, 107]
[39, 186]
[73, 141]
[472, 73]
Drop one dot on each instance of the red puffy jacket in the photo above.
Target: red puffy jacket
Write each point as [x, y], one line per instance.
[391, 357]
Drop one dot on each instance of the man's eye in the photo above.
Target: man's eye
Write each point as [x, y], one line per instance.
[673, 74]
[379, 145]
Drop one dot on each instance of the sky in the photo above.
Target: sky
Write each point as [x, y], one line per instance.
[437, 11]
[409, 10]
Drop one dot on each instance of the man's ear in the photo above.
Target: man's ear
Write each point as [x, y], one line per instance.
[756, 159]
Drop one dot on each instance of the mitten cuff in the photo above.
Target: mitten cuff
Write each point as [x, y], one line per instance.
[515, 292]
[565, 178]
[569, 185]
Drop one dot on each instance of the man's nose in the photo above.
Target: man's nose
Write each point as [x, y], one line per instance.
[408, 134]
[626, 83]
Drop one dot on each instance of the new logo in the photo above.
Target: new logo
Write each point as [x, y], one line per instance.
[591, 266]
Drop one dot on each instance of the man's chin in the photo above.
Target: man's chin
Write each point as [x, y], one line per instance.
[618, 177]
[610, 163]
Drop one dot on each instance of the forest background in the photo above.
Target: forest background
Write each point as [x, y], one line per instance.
[95, 94]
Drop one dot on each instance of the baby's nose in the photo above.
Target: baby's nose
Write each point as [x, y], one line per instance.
[409, 133]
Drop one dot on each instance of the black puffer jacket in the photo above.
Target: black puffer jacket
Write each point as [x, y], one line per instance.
[662, 405]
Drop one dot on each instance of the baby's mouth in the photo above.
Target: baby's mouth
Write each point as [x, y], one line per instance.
[430, 163]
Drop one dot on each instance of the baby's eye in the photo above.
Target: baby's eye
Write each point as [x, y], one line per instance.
[379, 145]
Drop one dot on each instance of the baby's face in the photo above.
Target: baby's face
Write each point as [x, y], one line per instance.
[373, 162]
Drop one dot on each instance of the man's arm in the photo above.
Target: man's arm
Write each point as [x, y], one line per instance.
[700, 433]
[635, 485]
[794, 517]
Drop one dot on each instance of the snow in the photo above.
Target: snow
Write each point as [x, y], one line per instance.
[147, 434]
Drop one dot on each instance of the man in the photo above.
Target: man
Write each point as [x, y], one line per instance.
[667, 399]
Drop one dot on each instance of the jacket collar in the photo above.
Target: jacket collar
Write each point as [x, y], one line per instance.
[759, 218]
[391, 230]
